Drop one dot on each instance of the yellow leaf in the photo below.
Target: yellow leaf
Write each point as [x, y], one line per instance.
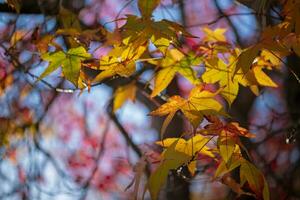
[17, 36]
[166, 123]
[162, 44]
[216, 35]
[226, 147]
[122, 94]
[266, 192]
[120, 61]
[199, 103]
[262, 78]
[273, 59]
[162, 79]
[254, 89]
[172, 159]
[176, 54]
[174, 61]
[223, 73]
[174, 103]
[192, 166]
[196, 144]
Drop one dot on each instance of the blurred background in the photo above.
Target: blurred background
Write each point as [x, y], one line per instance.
[61, 143]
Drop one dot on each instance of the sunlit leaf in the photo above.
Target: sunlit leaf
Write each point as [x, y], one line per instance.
[196, 144]
[174, 103]
[120, 61]
[55, 60]
[122, 94]
[262, 78]
[70, 62]
[174, 62]
[223, 73]
[216, 35]
[172, 159]
[200, 102]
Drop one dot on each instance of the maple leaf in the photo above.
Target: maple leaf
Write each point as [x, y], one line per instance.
[122, 94]
[226, 167]
[216, 35]
[146, 7]
[262, 78]
[219, 128]
[291, 9]
[17, 36]
[200, 102]
[226, 147]
[250, 174]
[172, 159]
[161, 33]
[236, 187]
[269, 59]
[70, 62]
[228, 136]
[246, 58]
[223, 73]
[174, 62]
[120, 61]
[217, 70]
[68, 19]
[43, 43]
[170, 108]
[196, 144]
[177, 152]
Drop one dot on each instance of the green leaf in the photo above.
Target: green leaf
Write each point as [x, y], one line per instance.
[55, 59]
[146, 7]
[70, 63]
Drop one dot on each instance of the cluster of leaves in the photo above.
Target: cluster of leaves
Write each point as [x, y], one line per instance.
[214, 67]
